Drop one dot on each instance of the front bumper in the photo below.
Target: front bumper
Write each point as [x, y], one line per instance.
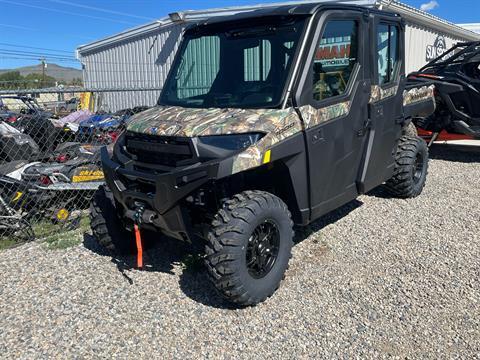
[160, 193]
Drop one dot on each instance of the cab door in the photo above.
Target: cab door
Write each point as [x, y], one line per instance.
[386, 101]
[333, 102]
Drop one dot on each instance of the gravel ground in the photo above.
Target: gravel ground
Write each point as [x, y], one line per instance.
[379, 277]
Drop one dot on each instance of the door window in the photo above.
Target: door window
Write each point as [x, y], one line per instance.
[335, 59]
[387, 52]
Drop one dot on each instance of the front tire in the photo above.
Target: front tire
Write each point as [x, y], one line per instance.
[249, 247]
[411, 168]
[106, 226]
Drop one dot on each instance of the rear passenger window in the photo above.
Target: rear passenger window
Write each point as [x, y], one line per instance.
[388, 53]
[335, 59]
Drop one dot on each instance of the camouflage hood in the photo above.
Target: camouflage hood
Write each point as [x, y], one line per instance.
[188, 122]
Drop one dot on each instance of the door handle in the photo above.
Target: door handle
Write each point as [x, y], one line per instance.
[317, 136]
[367, 125]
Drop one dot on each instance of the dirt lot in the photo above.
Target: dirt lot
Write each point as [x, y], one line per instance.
[380, 276]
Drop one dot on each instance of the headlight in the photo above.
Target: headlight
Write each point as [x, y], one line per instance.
[221, 146]
[231, 142]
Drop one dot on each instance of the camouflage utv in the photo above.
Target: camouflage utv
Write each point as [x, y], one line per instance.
[267, 118]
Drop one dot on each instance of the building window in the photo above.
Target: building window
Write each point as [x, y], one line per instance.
[199, 67]
[335, 58]
[258, 61]
[388, 53]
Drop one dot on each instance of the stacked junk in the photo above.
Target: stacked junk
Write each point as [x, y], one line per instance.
[49, 164]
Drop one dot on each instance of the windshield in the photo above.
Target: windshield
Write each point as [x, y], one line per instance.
[232, 66]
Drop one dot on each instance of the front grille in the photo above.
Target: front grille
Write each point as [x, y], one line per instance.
[160, 150]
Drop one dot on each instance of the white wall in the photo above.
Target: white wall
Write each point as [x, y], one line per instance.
[472, 27]
[417, 40]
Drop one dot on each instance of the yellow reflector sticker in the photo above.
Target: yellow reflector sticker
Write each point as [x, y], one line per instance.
[62, 214]
[266, 156]
[18, 195]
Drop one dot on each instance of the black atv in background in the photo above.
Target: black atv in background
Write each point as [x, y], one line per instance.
[456, 76]
[35, 122]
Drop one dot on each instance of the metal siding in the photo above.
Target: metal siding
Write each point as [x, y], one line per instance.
[132, 64]
[417, 38]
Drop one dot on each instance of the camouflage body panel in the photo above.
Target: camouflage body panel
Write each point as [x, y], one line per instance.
[378, 94]
[176, 121]
[418, 94]
[190, 122]
[276, 124]
[312, 116]
[288, 124]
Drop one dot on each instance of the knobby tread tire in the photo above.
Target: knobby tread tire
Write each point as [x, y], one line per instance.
[410, 130]
[402, 183]
[228, 238]
[106, 226]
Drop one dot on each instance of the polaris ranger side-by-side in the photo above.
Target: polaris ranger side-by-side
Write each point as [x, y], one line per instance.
[267, 118]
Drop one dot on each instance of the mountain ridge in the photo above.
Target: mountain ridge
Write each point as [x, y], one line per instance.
[61, 73]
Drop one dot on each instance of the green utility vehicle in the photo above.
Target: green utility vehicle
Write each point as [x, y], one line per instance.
[267, 118]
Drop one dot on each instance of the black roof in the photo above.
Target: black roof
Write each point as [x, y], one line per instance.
[286, 10]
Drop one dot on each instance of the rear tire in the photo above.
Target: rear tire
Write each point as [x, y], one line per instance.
[107, 226]
[249, 247]
[411, 168]
[410, 130]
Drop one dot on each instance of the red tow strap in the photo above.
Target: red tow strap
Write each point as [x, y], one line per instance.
[138, 240]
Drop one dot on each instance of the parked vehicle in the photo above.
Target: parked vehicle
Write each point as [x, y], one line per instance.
[267, 118]
[13, 226]
[15, 145]
[70, 105]
[456, 76]
[5, 113]
[35, 121]
[103, 126]
[55, 189]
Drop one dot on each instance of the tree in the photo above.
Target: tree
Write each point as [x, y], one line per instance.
[77, 82]
[14, 80]
[35, 81]
[11, 80]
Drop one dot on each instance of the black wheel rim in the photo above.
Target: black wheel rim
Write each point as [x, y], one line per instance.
[262, 249]
[418, 168]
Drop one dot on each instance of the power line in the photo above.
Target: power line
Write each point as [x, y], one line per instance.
[66, 12]
[100, 9]
[33, 58]
[29, 53]
[45, 31]
[36, 48]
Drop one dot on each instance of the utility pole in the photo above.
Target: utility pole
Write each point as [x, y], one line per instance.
[44, 66]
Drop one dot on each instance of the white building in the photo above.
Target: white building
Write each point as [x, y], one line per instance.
[141, 57]
[475, 27]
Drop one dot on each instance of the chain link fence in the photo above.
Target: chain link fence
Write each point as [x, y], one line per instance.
[49, 154]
